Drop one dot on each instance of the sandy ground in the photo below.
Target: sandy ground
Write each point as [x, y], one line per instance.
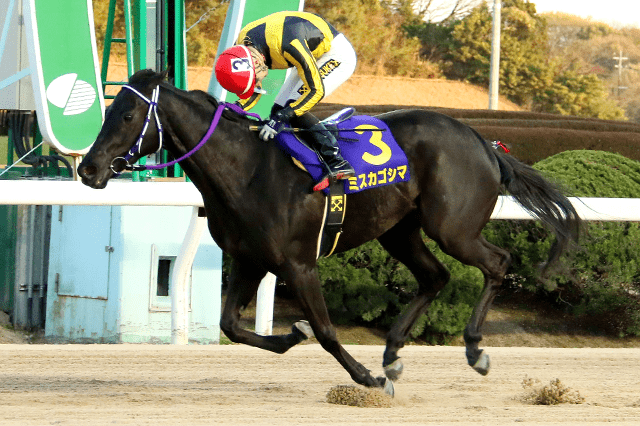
[235, 384]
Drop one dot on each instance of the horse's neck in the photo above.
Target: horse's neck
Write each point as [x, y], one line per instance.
[227, 161]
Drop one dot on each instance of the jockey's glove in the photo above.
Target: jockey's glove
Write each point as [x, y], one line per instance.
[276, 123]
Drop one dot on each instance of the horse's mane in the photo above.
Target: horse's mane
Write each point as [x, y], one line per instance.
[145, 78]
[150, 78]
[228, 114]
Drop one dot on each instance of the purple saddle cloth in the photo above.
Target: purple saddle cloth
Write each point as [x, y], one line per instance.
[376, 156]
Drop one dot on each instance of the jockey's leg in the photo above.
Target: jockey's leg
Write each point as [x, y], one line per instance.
[335, 67]
[326, 145]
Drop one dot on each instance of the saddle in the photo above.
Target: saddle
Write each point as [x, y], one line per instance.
[367, 144]
[333, 120]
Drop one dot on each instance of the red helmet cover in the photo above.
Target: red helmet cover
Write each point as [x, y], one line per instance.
[235, 71]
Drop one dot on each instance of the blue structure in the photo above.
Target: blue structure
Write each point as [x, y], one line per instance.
[109, 276]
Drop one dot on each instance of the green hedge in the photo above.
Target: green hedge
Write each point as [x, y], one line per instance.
[366, 286]
[599, 281]
[532, 136]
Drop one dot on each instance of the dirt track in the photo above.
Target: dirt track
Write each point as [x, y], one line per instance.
[144, 385]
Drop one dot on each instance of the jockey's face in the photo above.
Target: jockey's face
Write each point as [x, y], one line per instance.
[258, 64]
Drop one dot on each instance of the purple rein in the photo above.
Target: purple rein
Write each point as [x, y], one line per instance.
[153, 110]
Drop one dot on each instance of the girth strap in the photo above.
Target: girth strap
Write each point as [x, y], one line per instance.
[335, 208]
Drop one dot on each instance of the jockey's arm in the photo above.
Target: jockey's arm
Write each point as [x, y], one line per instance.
[297, 53]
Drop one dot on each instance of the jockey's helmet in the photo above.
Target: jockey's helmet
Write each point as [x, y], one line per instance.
[235, 71]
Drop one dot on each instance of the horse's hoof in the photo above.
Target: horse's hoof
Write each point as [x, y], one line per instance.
[304, 327]
[393, 371]
[483, 364]
[388, 388]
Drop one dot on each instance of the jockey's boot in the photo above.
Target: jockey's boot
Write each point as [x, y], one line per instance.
[327, 146]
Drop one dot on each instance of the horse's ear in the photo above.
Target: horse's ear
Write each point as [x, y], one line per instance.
[165, 73]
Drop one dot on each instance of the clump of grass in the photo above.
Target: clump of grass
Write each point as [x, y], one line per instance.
[358, 397]
[552, 394]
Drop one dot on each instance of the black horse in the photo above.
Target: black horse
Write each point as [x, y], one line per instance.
[261, 210]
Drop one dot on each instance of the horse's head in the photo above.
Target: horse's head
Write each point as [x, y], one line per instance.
[124, 122]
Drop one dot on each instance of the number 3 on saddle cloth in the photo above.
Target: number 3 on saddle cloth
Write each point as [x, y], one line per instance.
[368, 145]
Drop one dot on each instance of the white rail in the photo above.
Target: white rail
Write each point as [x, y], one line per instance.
[125, 193]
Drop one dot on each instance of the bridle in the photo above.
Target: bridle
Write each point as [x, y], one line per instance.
[153, 111]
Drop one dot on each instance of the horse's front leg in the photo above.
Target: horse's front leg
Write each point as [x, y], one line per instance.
[244, 280]
[304, 282]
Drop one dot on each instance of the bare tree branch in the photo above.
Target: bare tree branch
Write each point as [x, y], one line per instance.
[443, 10]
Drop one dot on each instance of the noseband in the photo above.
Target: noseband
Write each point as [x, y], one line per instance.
[153, 109]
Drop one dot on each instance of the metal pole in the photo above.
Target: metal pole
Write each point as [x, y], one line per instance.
[10, 146]
[128, 25]
[77, 159]
[22, 268]
[108, 37]
[494, 77]
[619, 58]
[180, 46]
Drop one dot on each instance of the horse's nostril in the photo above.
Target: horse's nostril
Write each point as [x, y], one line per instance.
[86, 171]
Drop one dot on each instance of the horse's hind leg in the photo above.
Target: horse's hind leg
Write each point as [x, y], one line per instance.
[493, 262]
[244, 280]
[404, 242]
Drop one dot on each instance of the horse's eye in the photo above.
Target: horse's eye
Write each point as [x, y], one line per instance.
[128, 116]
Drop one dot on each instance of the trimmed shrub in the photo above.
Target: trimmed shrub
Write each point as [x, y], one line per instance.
[532, 136]
[367, 286]
[599, 281]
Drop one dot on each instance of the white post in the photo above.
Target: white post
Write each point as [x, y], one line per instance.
[264, 305]
[494, 77]
[77, 159]
[180, 278]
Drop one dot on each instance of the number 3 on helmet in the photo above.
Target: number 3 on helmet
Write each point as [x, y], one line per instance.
[235, 71]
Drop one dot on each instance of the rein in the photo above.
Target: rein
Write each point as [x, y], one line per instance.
[153, 109]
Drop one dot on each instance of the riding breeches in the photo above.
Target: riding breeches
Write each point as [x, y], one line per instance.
[336, 66]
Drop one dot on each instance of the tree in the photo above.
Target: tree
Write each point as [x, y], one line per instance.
[443, 11]
[204, 21]
[527, 74]
[577, 94]
[202, 38]
[523, 69]
[436, 38]
[375, 30]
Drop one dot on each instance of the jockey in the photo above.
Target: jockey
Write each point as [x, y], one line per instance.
[323, 58]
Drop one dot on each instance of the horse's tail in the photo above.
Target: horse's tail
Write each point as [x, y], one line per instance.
[542, 199]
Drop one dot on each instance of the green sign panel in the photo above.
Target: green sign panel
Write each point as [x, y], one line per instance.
[66, 72]
[239, 14]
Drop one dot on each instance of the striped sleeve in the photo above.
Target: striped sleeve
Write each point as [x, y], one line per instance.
[299, 55]
[250, 102]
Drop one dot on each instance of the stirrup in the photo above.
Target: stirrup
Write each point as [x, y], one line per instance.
[333, 176]
[342, 170]
[344, 174]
